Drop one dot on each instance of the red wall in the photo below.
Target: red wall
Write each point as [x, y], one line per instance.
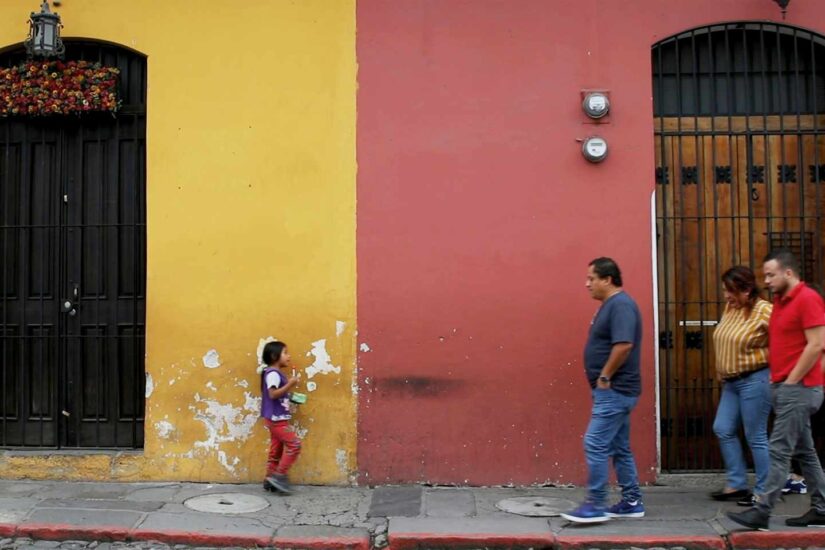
[477, 217]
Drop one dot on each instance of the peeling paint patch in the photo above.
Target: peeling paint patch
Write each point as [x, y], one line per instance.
[322, 363]
[364, 347]
[211, 360]
[339, 328]
[225, 423]
[300, 430]
[312, 386]
[211, 386]
[164, 429]
[341, 460]
[150, 385]
[243, 384]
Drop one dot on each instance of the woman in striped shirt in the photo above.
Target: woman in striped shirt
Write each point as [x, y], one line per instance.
[741, 344]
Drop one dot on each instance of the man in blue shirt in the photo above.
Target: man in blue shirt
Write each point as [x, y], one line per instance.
[611, 363]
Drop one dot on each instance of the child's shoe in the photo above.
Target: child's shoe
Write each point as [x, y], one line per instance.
[280, 483]
[268, 487]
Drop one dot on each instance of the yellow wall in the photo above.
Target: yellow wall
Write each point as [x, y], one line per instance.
[251, 227]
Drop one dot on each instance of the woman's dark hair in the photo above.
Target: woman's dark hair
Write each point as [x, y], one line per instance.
[606, 267]
[740, 278]
[272, 352]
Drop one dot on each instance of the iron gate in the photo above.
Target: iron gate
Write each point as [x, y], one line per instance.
[740, 166]
[72, 246]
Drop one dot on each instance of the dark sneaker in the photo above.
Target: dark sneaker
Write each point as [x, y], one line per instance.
[795, 487]
[749, 500]
[280, 483]
[627, 509]
[732, 495]
[268, 487]
[811, 519]
[751, 518]
[587, 513]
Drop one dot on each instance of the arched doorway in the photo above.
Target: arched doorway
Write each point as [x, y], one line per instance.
[73, 275]
[740, 168]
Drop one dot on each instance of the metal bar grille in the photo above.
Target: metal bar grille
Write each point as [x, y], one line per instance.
[739, 141]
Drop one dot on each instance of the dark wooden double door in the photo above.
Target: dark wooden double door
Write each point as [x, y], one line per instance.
[72, 300]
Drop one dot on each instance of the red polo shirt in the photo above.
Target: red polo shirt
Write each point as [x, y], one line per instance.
[802, 308]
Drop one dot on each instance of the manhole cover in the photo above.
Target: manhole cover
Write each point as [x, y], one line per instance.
[226, 503]
[536, 506]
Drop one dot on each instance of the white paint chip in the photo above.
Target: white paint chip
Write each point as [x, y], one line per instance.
[322, 363]
[341, 460]
[211, 360]
[365, 347]
[164, 429]
[312, 386]
[339, 328]
[150, 385]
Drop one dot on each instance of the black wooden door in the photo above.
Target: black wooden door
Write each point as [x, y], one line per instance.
[72, 238]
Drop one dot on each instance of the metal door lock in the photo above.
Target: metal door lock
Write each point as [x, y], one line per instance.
[68, 307]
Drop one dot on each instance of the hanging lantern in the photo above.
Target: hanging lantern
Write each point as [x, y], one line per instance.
[783, 5]
[44, 34]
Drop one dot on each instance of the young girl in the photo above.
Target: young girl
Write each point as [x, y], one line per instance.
[284, 444]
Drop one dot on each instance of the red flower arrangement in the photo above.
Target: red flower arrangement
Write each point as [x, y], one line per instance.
[40, 88]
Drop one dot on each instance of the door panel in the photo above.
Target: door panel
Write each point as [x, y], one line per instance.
[728, 199]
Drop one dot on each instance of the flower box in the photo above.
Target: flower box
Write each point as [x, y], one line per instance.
[43, 88]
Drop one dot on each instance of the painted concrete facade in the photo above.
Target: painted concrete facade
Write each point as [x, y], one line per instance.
[476, 218]
[251, 217]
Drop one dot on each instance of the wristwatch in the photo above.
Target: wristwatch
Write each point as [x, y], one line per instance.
[604, 379]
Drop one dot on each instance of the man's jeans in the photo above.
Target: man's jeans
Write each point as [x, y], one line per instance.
[608, 434]
[746, 401]
[793, 406]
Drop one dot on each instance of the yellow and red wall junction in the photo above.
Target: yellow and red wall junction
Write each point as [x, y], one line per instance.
[394, 188]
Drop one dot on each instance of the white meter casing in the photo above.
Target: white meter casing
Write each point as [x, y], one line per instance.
[596, 104]
[594, 149]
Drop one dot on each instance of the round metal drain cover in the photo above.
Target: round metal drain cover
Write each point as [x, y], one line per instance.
[226, 503]
[536, 506]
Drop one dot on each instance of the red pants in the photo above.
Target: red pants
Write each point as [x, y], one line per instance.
[284, 447]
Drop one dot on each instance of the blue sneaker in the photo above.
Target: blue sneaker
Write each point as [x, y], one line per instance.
[795, 487]
[627, 509]
[587, 513]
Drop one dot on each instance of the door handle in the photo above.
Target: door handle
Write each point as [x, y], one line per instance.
[68, 307]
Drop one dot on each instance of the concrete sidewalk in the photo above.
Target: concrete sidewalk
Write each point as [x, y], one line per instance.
[363, 518]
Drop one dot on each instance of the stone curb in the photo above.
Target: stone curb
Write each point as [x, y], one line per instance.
[415, 541]
[812, 536]
[695, 542]
[195, 538]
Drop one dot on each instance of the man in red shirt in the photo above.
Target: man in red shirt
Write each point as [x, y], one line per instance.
[796, 336]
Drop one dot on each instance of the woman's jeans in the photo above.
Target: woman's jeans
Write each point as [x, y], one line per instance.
[608, 435]
[746, 401]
